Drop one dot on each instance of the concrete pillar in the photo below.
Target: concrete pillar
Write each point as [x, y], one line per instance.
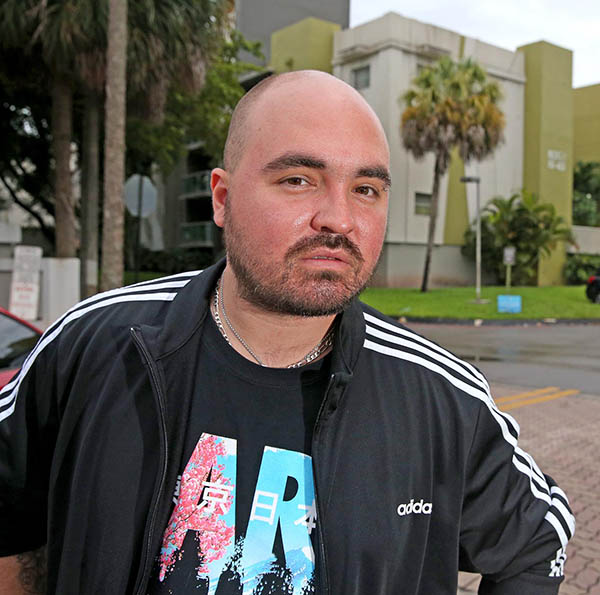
[548, 146]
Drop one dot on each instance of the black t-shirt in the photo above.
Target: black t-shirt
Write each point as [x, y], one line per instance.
[244, 516]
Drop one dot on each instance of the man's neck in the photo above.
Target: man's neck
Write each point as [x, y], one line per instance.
[278, 340]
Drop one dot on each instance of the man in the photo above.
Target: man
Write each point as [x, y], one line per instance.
[254, 428]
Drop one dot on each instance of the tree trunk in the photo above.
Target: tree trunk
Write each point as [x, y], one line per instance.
[435, 193]
[90, 195]
[62, 113]
[114, 146]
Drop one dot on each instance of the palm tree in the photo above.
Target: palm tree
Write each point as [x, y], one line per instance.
[90, 189]
[56, 27]
[169, 44]
[90, 67]
[114, 145]
[450, 105]
[164, 47]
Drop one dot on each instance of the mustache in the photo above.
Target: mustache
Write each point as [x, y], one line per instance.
[326, 240]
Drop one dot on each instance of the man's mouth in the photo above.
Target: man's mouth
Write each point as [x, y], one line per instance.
[327, 247]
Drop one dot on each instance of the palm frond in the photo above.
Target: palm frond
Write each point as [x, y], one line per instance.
[452, 104]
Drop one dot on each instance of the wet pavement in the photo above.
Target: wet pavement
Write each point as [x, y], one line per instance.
[534, 355]
[562, 433]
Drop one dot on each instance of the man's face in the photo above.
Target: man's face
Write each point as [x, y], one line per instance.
[306, 207]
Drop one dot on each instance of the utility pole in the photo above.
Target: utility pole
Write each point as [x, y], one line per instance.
[476, 180]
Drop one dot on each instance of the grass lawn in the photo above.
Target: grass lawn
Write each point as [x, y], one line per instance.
[455, 302]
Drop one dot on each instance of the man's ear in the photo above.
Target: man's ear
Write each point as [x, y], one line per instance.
[219, 182]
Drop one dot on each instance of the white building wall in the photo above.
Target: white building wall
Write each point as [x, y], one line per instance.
[588, 240]
[502, 173]
[394, 47]
[389, 46]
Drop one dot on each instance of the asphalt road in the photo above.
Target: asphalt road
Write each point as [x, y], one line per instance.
[565, 356]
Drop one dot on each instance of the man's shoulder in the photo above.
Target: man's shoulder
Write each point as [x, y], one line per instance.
[138, 304]
[405, 348]
[382, 327]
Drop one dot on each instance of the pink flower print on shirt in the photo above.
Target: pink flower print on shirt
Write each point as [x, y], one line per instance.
[205, 496]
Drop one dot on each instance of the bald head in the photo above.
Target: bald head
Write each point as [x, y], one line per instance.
[288, 87]
[304, 196]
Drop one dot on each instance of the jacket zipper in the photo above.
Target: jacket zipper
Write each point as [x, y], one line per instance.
[156, 385]
[323, 578]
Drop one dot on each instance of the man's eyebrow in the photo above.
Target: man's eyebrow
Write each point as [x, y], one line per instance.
[376, 172]
[302, 160]
[294, 160]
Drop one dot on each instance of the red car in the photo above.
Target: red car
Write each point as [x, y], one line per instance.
[17, 339]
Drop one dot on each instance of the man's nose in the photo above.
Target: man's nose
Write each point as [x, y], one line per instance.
[333, 212]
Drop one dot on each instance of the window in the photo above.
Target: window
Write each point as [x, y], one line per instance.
[422, 203]
[361, 77]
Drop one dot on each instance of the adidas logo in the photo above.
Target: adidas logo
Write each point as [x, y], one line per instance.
[413, 507]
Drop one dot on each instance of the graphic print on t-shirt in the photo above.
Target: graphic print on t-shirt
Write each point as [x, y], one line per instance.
[205, 504]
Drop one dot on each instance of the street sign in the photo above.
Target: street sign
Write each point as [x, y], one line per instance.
[140, 196]
[510, 304]
[509, 254]
[25, 283]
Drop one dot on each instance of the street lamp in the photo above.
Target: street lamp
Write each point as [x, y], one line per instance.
[477, 300]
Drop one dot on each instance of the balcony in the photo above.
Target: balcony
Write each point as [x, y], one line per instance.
[196, 183]
[198, 233]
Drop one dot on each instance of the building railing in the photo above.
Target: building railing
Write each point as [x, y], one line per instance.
[199, 233]
[197, 182]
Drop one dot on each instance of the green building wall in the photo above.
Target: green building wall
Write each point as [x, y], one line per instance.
[548, 146]
[307, 44]
[586, 122]
[457, 212]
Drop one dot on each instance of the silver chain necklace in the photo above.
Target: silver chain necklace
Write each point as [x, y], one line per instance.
[219, 303]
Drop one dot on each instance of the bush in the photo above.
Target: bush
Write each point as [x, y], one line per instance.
[579, 267]
[524, 222]
[585, 209]
[586, 195]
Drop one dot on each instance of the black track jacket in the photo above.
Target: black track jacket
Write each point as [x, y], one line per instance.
[417, 472]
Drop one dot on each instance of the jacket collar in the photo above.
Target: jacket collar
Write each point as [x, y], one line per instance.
[188, 310]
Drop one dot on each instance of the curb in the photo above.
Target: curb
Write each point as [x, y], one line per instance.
[497, 321]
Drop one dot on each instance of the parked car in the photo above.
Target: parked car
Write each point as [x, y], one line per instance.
[17, 338]
[593, 288]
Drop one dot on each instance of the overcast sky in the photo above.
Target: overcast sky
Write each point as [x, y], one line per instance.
[572, 24]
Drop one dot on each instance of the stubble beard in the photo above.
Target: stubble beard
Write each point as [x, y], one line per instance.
[289, 289]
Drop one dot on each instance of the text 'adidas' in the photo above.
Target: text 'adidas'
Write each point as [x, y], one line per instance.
[413, 507]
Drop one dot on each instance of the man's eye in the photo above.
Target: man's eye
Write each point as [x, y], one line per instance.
[295, 181]
[367, 191]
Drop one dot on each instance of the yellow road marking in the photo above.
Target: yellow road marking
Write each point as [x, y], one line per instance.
[558, 395]
[531, 393]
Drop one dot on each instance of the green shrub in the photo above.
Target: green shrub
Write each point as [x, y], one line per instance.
[522, 221]
[586, 195]
[579, 267]
[585, 209]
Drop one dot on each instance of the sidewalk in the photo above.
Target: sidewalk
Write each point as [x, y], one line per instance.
[563, 436]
